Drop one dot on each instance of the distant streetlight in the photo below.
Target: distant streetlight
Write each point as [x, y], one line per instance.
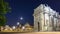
[21, 18]
[23, 27]
[13, 27]
[18, 23]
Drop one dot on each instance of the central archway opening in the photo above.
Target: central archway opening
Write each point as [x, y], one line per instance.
[38, 26]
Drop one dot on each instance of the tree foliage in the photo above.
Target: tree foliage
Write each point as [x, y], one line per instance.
[4, 8]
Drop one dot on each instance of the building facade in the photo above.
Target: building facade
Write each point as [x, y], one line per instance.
[45, 18]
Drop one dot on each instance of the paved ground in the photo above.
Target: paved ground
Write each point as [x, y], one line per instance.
[33, 33]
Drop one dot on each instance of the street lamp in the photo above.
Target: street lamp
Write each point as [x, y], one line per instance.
[23, 27]
[18, 23]
[21, 18]
[13, 27]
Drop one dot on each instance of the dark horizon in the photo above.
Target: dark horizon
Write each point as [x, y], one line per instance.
[25, 9]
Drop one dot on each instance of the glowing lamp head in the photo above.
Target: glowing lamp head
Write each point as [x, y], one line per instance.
[23, 27]
[13, 27]
[21, 18]
[18, 23]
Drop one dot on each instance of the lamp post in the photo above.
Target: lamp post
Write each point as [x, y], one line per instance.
[18, 26]
[13, 28]
[21, 18]
[23, 28]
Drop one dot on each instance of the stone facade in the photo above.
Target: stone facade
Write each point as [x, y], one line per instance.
[45, 18]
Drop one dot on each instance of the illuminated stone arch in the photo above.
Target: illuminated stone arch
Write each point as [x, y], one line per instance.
[42, 18]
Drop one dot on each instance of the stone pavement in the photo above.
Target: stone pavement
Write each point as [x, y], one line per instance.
[31, 33]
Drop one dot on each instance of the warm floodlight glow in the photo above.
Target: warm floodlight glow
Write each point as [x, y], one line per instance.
[6, 29]
[23, 27]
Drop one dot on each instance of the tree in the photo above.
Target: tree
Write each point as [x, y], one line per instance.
[4, 9]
